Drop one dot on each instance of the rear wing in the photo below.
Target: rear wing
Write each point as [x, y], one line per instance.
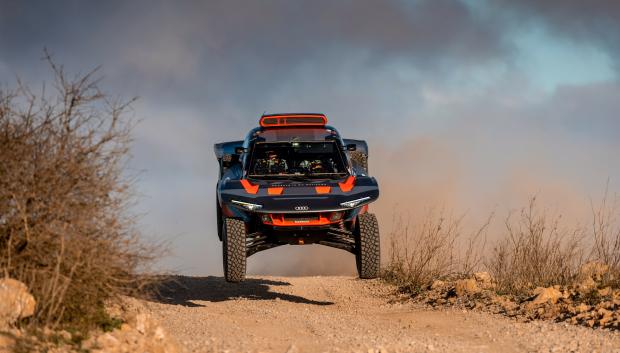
[226, 148]
[358, 157]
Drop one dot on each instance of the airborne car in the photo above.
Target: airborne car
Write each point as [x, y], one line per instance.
[294, 180]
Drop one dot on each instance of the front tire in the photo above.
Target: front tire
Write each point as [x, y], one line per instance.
[234, 250]
[368, 254]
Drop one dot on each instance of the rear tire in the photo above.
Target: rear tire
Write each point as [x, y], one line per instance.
[368, 254]
[234, 249]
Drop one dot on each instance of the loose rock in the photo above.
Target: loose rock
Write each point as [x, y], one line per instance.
[15, 302]
[544, 295]
[484, 278]
[466, 286]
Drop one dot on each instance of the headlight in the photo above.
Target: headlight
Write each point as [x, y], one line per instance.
[353, 203]
[335, 216]
[248, 206]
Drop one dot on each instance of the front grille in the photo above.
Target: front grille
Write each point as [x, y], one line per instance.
[298, 185]
[303, 218]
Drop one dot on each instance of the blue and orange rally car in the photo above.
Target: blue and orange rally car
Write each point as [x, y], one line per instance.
[294, 180]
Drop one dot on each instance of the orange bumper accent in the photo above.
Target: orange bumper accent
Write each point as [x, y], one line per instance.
[321, 220]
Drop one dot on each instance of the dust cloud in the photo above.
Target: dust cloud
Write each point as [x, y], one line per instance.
[446, 174]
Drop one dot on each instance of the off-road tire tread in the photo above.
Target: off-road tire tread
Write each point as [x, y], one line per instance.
[368, 255]
[234, 250]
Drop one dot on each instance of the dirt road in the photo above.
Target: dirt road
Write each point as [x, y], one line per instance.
[344, 314]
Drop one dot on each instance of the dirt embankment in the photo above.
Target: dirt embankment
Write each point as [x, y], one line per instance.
[344, 314]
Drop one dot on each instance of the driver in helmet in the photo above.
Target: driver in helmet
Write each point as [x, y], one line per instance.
[275, 164]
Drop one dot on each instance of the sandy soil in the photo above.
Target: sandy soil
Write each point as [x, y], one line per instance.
[344, 314]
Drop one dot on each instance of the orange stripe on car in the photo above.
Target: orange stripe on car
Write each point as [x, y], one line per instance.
[348, 184]
[275, 190]
[249, 187]
[323, 189]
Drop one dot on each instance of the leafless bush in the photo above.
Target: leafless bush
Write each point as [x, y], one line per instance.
[536, 249]
[422, 253]
[64, 229]
[472, 257]
[434, 249]
[606, 236]
[535, 252]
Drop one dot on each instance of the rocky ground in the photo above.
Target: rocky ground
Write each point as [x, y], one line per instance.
[315, 314]
[589, 302]
[343, 314]
[138, 332]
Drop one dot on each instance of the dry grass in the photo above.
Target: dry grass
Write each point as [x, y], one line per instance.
[535, 249]
[606, 237]
[64, 228]
[427, 251]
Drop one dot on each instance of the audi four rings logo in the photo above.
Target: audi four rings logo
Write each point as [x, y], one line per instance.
[302, 208]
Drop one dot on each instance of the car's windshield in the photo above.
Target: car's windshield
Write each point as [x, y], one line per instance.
[280, 160]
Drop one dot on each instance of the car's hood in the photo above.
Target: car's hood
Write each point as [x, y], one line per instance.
[284, 196]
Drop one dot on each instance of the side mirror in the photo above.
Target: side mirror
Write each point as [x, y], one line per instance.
[351, 147]
[239, 150]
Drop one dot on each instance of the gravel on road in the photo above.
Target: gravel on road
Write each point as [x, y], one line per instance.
[345, 314]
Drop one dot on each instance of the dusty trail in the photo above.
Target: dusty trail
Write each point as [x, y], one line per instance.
[344, 314]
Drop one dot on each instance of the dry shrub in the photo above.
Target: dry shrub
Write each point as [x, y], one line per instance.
[423, 252]
[64, 229]
[472, 258]
[535, 252]
[536, 249]
[434, 249]
[606, 237]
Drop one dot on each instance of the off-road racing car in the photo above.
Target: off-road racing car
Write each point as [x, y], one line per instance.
[294, 180]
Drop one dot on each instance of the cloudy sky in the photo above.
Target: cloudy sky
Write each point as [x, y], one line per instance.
[472, 105]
